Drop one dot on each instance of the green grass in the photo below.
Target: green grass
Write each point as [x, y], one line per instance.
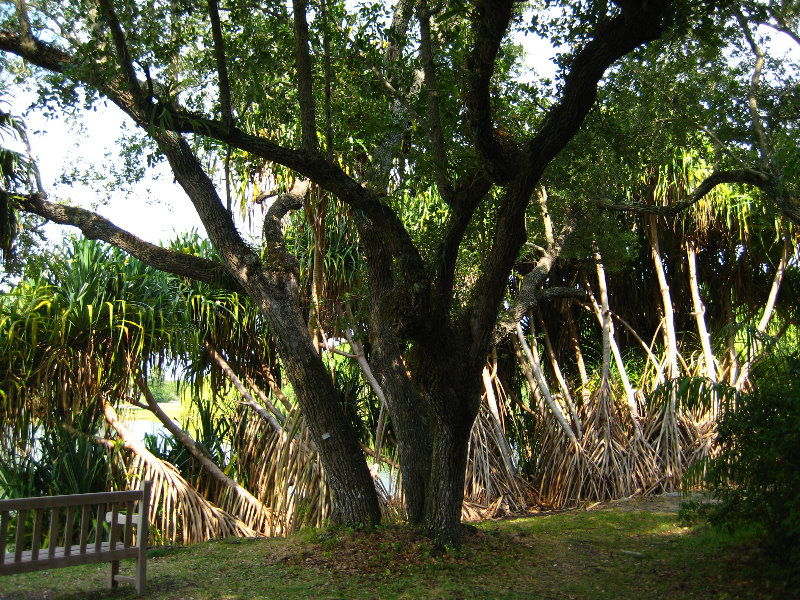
[613, 553]
[174, 410]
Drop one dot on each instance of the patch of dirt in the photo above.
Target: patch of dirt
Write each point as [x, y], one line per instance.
[390, 549]
[398, 548]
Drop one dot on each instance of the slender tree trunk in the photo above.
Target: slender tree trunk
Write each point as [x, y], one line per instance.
[767, 314]
[491, 398]
[733, 356]
[610, 346]
[670, 339]
[669, 438]
[605, 322]
[576, 347]
[700, 311]
[532, 385]
[537, 372]
[561, 382]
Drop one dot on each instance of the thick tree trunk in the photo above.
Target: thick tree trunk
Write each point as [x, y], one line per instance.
[352, 489]
[275, 291]
[388, 365]
[445, 494]
[452, 396]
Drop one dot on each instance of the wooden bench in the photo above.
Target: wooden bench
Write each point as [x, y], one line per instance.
[56, 543]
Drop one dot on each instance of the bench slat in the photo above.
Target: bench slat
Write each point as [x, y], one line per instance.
[127, 534]
[68, 530]
[98, 533]
[18, 547]
[37, 533]
[53, 542]
[59, 560]
[72, 500]
[86, 519]
[113, 535]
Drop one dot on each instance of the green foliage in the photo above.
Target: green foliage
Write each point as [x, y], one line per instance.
[756, 475]
[49, 459]
[163, 390]
[19, 239]
[54, 460]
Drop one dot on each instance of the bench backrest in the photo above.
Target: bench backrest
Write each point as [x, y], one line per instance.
[72, 525]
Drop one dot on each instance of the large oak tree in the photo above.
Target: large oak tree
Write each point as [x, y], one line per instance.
[370, 114]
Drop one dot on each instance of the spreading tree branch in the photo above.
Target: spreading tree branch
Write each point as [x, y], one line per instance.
[171, 121]
[613, 38]
[744, 176]
[490, 25]
[95, 227]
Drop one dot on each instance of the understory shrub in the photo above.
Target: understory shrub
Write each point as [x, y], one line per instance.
[755, 477]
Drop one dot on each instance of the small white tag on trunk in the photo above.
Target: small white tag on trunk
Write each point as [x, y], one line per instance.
[325, 436]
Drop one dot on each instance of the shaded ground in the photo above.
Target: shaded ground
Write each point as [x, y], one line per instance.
[622, 550]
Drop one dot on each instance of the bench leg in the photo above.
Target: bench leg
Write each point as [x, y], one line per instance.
[141, 575]
[113, 571]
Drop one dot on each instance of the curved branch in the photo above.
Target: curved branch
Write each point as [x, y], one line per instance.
[639, 23]
[95, 227]
[746, 176]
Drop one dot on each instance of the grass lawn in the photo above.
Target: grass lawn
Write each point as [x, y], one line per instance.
[634, 549]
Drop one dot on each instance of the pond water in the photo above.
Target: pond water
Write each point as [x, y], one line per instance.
[141, 427]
